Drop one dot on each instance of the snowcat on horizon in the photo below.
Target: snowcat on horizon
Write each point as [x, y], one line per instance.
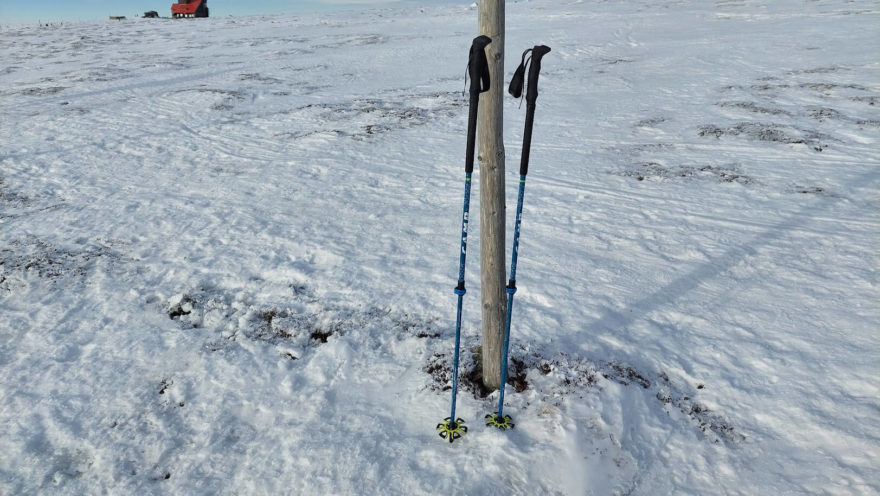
[189, 8]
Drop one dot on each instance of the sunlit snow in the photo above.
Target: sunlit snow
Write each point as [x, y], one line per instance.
[228, 248]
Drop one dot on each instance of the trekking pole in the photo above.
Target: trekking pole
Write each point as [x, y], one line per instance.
[453, 427]
[498, 419]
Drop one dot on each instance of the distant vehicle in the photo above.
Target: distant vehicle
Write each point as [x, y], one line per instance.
[151, 14]
[189, 8]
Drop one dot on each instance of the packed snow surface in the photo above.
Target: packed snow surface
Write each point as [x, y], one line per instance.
[228, 248]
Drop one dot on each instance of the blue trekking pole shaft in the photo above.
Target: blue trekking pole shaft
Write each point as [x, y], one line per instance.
[460, 289]
[537, 53]
[511, 290]
[478, 70]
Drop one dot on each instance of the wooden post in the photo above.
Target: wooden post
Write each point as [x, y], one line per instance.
[492, 215]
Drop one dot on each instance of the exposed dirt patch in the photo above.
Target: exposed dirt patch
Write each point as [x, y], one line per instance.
[35, 257]
[755, 108]
[714, 425]
[576, 376]
[470, 371]
[771, 133]
[650, 122]
[177, 308]
[320, 335]
[412, 325]
[43, 91]
[10, 197]
[625, 375]
[367, 117]
[166, 383]
[659, 171]
[824, 114]
[870, 100]
[260, 78]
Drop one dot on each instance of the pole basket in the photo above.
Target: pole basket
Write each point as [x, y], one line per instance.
[504, 423]
[451, 430]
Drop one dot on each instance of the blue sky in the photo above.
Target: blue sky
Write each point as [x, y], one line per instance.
[19, 11]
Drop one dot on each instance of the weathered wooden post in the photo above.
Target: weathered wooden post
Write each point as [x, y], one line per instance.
[492, 207]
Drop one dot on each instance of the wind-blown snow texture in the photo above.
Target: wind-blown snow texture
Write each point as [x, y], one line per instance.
[228, 248]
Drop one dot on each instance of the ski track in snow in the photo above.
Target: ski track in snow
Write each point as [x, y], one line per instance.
[228, 248]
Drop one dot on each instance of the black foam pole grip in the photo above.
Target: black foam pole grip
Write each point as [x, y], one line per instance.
[527, 140]
[478, 70]
[478, 64]
[471, 133]
[538, 53]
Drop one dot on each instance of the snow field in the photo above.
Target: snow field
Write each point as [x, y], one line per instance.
[228, 248]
